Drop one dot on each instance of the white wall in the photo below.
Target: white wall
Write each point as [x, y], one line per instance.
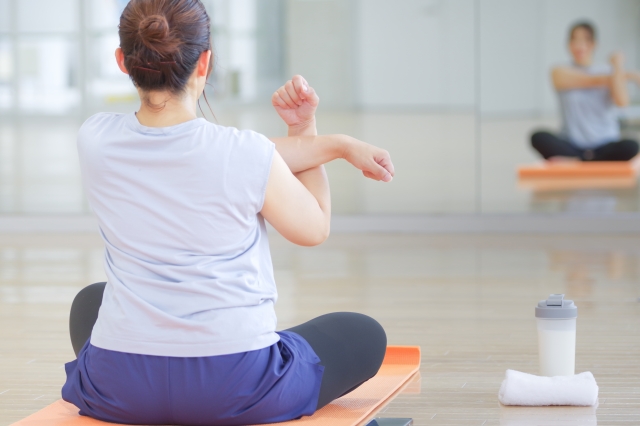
[416, 53]
[384, 53]
[509, 54]
[319, 46]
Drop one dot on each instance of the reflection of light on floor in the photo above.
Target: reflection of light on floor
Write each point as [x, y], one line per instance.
[584, 203]
[593, 195]
[548, 416]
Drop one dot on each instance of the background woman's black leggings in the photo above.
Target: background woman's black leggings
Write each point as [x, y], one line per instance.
[350, 346]
[550, 145]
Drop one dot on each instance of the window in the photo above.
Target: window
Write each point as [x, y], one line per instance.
[57, 57]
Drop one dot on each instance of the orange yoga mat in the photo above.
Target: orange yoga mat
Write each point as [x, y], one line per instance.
[399, 365]
[545, 184]
[579, 169]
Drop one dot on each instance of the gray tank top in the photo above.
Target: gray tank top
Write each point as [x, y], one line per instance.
[589, 116]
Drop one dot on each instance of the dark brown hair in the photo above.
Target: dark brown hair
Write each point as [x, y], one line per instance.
[162, 41]
[585, 25]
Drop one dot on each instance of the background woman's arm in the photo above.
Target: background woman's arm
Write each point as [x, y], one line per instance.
[618, 85]
[633, 76]
[567, 78]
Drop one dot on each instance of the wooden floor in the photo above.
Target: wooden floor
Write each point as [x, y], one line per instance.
[467, 300]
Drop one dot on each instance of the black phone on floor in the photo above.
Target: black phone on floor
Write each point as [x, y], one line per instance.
[382, 421]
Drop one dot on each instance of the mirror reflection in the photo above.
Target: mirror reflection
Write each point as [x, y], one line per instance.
[468, 96]
[558, 87]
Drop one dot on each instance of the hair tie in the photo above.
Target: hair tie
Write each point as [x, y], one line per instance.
[148, 69]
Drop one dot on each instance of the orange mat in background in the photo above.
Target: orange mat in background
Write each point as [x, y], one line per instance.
[548, 184]
[580, 169]
[399, 365]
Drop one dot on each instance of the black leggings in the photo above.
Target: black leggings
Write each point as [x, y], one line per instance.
[550, 145]
[350, 346]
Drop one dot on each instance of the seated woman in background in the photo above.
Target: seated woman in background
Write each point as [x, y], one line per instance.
[184, 330]
[589, 95]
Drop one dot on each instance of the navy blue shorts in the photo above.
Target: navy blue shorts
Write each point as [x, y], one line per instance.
[274, 384]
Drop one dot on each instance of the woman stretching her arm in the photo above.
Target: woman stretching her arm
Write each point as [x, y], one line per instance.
[184, 330]
[589, 95]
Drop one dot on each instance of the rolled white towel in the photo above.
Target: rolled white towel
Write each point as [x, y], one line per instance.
[526, 389]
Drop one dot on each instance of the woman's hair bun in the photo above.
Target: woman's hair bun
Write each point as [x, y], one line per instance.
[154, 33]
[162, 41]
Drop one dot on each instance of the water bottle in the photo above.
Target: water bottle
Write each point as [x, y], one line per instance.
[556, 320]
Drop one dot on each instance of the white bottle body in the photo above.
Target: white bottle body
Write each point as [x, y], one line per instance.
[557, 346]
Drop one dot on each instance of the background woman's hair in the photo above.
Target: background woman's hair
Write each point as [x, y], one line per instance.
[162, 41]
[585, 25]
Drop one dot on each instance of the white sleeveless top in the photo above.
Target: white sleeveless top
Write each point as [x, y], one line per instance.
[589, 116]
[187, 260]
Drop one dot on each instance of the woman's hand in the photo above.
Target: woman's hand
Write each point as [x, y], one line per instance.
[618, 84]
[617, 60]
[374, 162]
[296, 104]
[633, 76]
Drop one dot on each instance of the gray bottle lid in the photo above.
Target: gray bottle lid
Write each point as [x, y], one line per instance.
[556, 307]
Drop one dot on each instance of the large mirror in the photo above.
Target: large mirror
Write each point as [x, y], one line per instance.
[452, 88]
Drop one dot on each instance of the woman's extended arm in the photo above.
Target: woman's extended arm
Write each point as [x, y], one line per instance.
[298, 201]
[567, 78]
[298, 206]
[302, 153]
[296, 103]
[633, 76]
